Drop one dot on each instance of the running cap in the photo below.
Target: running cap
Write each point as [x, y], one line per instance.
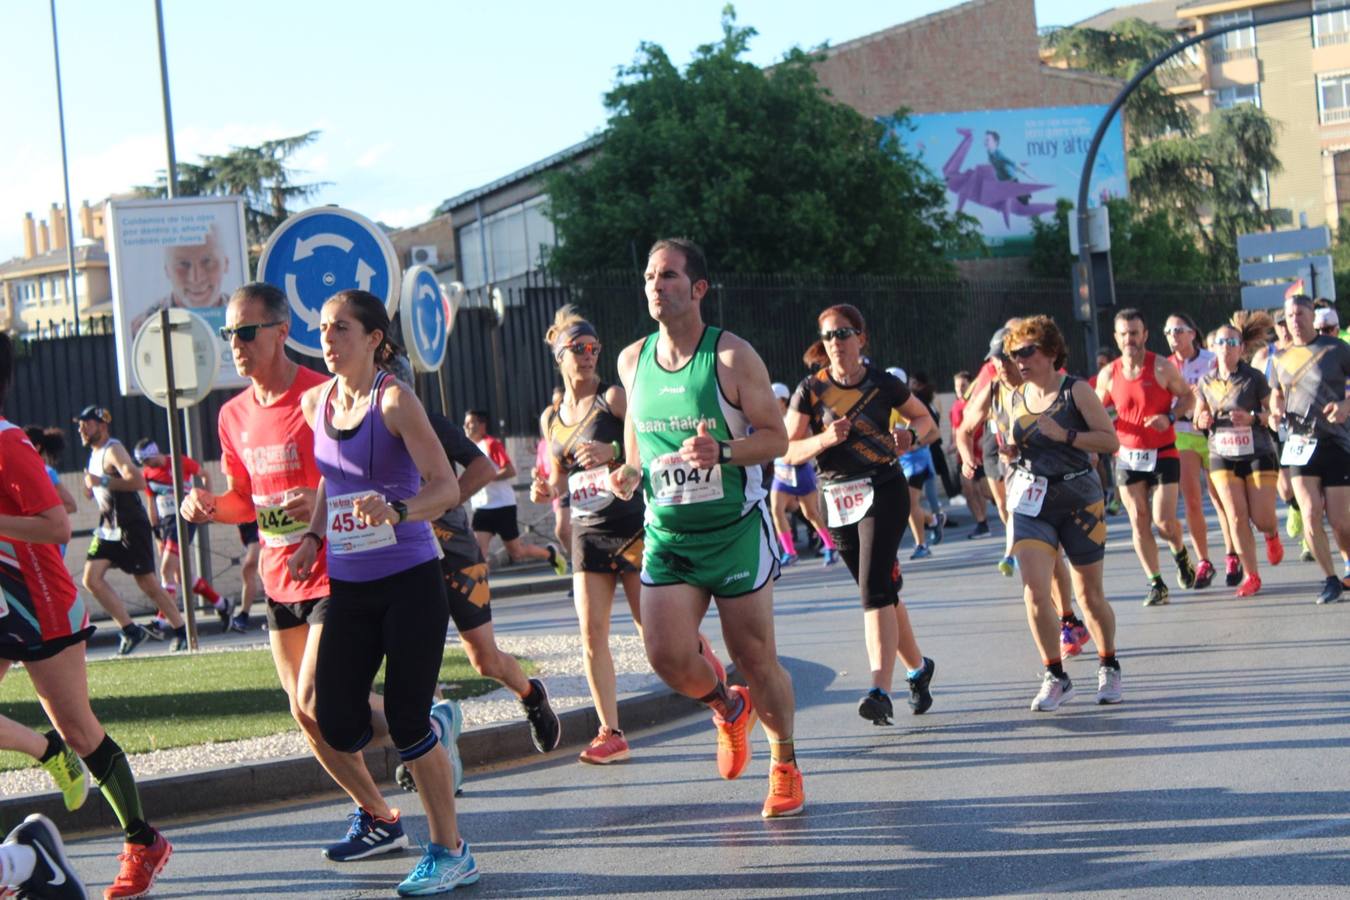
[94, 414]
[898, 373]
[146, 452]
[781, 391]
[996, 344]
[1326, 318]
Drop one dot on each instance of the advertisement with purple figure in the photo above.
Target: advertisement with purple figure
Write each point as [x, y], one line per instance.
[1006, 167]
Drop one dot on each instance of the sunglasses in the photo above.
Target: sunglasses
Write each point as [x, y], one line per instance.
[579, 349]
[1228, 342]
[1176, 330]
[1024, 352]
[246, 333]
[839, 334]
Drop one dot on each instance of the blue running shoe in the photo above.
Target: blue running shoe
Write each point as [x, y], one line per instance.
[368, 836]
[921, 552]
[787, 559]
[829, 557]
[935, 533]
[439, 872]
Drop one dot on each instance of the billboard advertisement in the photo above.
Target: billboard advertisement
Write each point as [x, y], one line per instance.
[1005, 167]
[188, 253]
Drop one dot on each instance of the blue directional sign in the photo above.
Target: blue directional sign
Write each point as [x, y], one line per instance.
[426, 329]
[314, 254]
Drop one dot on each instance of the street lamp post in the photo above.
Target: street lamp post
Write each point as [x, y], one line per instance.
[65, 178]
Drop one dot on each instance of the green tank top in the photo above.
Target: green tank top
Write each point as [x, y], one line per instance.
[666, 408]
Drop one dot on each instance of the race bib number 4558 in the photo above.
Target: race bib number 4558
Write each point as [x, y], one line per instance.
[677, 483]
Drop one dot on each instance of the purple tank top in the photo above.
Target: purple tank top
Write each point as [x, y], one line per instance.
[358, 461]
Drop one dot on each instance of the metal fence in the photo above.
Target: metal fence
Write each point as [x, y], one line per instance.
[504, 367]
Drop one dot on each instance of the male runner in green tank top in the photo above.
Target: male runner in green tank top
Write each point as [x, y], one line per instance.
[701, 420]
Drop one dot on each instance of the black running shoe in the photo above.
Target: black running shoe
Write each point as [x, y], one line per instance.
[545, 729]
[981, 530]
[126, 643]
[1331, 592]
[919, 697]
[53, 876]
[875, 707]
[223, 613]
[1185, 570]
[1157, 595]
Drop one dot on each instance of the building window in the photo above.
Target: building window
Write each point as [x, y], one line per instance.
[1237, 44]
[1228, 97]
[1333, 98]
[1330, 28]
[504, 245]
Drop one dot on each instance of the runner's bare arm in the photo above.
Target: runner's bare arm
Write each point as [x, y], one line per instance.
[627, 364]
[1104, 386]
[125, 475]
[405, 418]
[1102, 436]
[917, 415]
[1170, 377]
[976, 411]
[67, 499]
[740, 367]
[803, 446]
[51, 526]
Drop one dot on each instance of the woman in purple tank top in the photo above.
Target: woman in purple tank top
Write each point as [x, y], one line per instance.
[385, 477]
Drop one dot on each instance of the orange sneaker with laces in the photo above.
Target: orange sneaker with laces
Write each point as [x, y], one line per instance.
[705, 650]
[1274, 549]
[786, 797]
[607, 747]
[733, 738]
[1250, 585]
[140, 866]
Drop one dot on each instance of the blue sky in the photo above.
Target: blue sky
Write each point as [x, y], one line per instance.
[417, 99]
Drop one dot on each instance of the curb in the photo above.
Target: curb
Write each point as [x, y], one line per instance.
[301, 777]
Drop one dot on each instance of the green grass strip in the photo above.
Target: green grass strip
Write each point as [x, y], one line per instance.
[159, 702]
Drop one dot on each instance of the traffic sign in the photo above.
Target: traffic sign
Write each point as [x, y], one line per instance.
[426, 329]
[314, 254]
[193, 349]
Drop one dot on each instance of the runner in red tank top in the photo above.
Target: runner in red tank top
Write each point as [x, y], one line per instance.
[1148, 393]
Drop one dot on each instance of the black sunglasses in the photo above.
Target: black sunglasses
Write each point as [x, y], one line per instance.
[1024, 352]
[578, 349]
[839, 334]
[246, 333]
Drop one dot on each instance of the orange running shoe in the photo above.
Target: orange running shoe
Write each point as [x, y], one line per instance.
[786, 797]
[705, 650]
[607, 747]
[140, 866]
[1250, 585]
[1274, 549]
[733, 738]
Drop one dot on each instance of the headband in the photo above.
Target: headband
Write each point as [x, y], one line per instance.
[149, 450]
[580, 329]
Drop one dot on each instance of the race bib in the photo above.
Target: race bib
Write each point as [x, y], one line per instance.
[1026, 492]
[847, 502]
[677, 483]
[108, 533]
[275, 527]
[1137, 460]
[347, 534]
[165, 506]
[1234, 442]
[589, 490]
[784, 473]
[1298, 450]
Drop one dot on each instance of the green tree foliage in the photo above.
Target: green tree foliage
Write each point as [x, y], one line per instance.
[1146, 245]
[258, 174]
[1202, 177]
[761, 167]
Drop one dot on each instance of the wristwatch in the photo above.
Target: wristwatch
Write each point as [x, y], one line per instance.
[103, 480]
[401, 508]
[724, 451]
[1171, 417]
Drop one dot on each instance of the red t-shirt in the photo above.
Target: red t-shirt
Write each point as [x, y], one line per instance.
[266, 451]
[34, 570]
[159, 484]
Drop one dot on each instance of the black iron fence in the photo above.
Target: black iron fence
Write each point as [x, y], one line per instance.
[503, 366]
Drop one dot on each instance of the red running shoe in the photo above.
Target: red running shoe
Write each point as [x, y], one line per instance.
[1250, 585]
[1274, 549]
[1073, 638]
[786, 796]
[607, 747]
[733, 737]
[140, 866]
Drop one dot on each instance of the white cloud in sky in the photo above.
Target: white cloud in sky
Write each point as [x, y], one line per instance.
[403, 217]
[371, 157]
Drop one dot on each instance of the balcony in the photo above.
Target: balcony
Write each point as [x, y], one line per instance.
[1219, 55]
[1331, 38]
[1336, 116]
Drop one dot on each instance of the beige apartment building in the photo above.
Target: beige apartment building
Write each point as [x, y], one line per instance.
[1297, 71]
[34, 295]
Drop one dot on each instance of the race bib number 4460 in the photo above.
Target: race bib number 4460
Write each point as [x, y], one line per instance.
[677, 483]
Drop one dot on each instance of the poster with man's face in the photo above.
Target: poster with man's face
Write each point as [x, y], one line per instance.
[187, 253]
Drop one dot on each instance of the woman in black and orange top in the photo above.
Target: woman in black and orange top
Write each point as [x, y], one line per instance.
[840, 417]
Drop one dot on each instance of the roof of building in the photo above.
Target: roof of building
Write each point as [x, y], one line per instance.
[1159, 12]
[921, 22]
[524, 174]
[85, 254]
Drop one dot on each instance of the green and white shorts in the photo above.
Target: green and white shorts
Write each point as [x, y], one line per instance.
[727, 562]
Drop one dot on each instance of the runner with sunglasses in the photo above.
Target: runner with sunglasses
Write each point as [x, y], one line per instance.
[1235, 410]
[840, 417]
[1264, 362]
[584, 440]
[1194, 362]
[1149, 395]
[1056, 502]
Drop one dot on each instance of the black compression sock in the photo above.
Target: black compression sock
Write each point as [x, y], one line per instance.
[108, 765]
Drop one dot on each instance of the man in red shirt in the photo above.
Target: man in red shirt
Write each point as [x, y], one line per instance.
[158, 474]
[494, 507]
[267, 455]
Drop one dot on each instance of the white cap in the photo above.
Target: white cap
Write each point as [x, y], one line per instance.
[898, 373]
[1326, 316]
[780, 390]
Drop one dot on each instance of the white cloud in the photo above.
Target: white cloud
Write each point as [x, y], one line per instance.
[371, 157]
[403, 217]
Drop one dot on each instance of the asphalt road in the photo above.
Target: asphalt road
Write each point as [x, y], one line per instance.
[1222, 774]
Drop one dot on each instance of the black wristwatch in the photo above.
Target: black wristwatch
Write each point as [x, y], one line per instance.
[724, 451]
[401, 508]
[1171, 417]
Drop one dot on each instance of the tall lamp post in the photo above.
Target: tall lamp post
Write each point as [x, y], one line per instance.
[65, 178]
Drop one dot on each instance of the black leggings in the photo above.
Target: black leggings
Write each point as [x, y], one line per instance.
[869, 545]
[401, 620]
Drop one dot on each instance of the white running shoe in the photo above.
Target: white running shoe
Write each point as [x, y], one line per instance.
[1054, 691]
[1108, 685]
